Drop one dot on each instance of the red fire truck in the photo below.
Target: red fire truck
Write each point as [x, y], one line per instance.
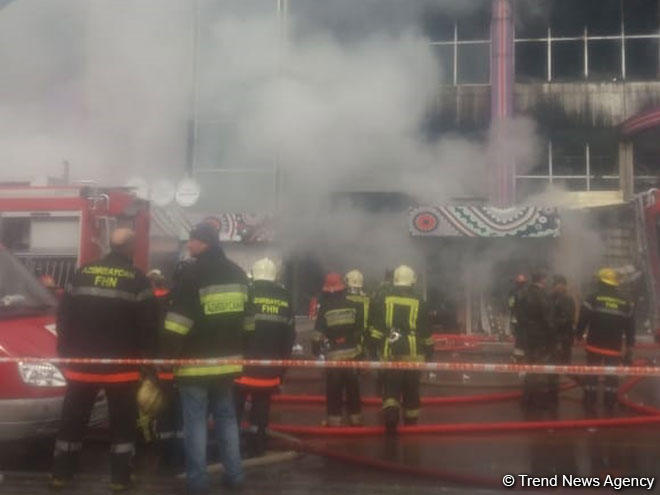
[50, 231]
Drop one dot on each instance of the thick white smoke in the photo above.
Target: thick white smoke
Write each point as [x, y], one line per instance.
[102, 85]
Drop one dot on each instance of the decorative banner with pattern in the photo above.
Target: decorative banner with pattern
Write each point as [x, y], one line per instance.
[483, 221]
[244, 227]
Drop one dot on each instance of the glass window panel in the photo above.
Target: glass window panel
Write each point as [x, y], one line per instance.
[531, 61]
[445, 56]
[474, 63]
[605, 60]
[604, 154]
[603, 17]
[600, 184]
[641, 16]
[567, 60]
[642, 59]
[531, 18]
[568, 156]
[437, 25]
[476, 24]
[525, 188]
[540, 167]
[568, 17]
[570, 184]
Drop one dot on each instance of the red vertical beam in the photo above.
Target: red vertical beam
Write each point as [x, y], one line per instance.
[502, 176]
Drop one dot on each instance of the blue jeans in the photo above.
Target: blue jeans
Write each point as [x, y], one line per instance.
[197, 402]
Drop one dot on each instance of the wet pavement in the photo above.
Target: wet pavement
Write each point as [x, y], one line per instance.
[465, 463]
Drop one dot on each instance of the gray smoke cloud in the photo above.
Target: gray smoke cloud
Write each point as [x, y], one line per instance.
[335, 98]
[103, 85]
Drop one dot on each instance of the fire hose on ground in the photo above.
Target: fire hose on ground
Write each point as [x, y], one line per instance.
[651, 415]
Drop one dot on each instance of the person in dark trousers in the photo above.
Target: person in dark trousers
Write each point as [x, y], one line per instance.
[539, 335]
[400, 317]
[270, 333]
[168, 423]
[563, 317]
[520, 283]
[607, 317]
[108, 312]
[338, 335]
[206, 320]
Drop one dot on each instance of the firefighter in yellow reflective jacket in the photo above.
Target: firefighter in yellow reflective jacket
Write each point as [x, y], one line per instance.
[206, 319]
[339, 329]
[399, 323]
[355, 292]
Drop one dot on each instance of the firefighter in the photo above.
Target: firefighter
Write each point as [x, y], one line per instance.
[205, 320]
[270, 333]
[355, 283]
[563, 315]
[338, 334]
[399, 323]
[514, 296]
[607, 316]
[168, 424]
[108, 312]
[537, 331]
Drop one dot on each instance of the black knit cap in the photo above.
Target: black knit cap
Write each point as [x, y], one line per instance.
[206, 233]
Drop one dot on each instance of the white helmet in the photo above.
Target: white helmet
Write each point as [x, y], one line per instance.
[354, 279]
[264, 269]
[404, 276]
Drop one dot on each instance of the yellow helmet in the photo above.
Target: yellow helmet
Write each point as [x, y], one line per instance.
[264, 269]
[150, 398]
[608, 276]
[404, 276]
[354, 279]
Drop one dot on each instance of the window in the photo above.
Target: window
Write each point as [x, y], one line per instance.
[531, 61]
[474, 63]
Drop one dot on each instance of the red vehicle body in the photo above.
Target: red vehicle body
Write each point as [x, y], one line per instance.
[651, 208]
[50, 232]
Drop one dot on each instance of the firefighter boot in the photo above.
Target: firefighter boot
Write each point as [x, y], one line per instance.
[356, 419]
[65, 463]
[121, 469]
[391, 417]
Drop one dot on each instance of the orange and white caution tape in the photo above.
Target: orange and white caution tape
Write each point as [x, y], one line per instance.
[368, 365]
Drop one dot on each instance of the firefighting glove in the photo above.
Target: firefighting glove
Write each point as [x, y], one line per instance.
[150, 398]
[628, 357]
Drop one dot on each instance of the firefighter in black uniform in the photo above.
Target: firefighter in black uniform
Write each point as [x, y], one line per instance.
[355, 284]
[514, 297]
[563, 316]
[538, 333]
[399, 321]
[108, 312]
[607, 316]
[168, 422]
[205, 320]
[338, 335]
[270, 333]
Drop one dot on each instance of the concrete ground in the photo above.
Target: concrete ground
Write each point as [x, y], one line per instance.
[626, 452]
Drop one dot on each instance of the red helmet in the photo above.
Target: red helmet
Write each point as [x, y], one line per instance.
[521, 278]
[333, 283]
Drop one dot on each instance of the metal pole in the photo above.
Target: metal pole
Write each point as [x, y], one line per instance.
[455, 54]
[550, 161]
[549, 55]
[587, 159]
[586, 54]
[623, 43]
